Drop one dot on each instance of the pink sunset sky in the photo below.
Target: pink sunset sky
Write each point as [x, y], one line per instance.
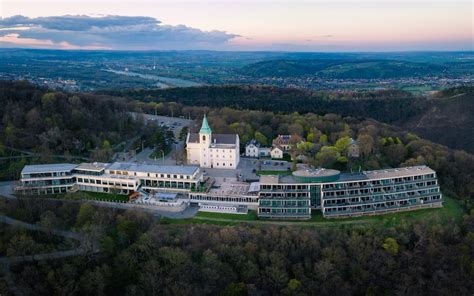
[239, 25]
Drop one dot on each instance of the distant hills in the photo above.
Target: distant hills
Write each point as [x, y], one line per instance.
[419, 72]
[343, 68]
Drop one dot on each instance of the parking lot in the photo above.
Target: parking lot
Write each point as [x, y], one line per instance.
[173, 123]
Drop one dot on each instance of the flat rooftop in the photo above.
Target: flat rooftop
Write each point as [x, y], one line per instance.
[316, 173]
[359, 176]
[231, 189]
[92, 166]
[399, 172]
[151, 168]
[48, 168]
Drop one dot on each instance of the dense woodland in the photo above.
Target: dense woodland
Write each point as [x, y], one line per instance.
[57, 124]
[33, 117]
[387, 106]
[142, 257]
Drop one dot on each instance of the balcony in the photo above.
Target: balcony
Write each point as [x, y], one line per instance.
[372, 201]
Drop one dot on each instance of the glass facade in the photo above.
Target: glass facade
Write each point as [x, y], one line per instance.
[362, 195]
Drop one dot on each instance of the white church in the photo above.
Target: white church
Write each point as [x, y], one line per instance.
[210, 150]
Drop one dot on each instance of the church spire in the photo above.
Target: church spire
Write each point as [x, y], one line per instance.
[205, 129]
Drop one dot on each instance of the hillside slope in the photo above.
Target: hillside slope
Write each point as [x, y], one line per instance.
[448, 120]
[387, 105]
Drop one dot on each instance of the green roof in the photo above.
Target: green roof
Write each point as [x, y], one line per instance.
[205, 129]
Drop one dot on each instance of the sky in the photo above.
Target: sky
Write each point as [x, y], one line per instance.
[317, 25]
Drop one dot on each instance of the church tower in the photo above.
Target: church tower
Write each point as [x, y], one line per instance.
[205, 133]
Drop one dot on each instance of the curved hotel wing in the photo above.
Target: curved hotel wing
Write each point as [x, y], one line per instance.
[275, 196]
[345, 195]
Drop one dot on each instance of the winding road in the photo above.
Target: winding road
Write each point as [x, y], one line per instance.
[85, 248]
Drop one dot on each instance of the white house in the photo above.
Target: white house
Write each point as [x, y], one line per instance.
[254, 149]
[210, 150]
[277, 152]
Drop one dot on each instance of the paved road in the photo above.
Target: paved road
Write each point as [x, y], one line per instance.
[6, 190]
[5, 262]
[34, 154]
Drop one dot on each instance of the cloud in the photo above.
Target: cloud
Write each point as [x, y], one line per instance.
[106, 32]
[13, 39]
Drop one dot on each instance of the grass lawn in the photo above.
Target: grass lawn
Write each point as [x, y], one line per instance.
[451, 210]
[107, 196]
[251, 215]
[96, 196]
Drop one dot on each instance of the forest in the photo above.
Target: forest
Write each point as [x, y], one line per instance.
[385, 105]
[72, 126]
[142, 256]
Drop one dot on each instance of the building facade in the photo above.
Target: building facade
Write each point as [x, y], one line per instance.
[292, 196]
[254, 149]
[210, 150]
[353, 150]
[347, 195]
[119, 177]
[287, 141]
[277, 152]
[47, 179]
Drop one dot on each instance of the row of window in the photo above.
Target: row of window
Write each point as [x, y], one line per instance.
[224, 199]
[284, 195]
[48, 182]
[378, 182]
[384, 205]
[54, 190]
[283, 187]
[283, 211]
[283, 203]
[44, 175]
[169, 176]
[104, 182]
[386, 189]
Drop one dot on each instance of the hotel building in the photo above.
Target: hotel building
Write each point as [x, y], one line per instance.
[346, 195]
[118, 177]
[274, 196]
